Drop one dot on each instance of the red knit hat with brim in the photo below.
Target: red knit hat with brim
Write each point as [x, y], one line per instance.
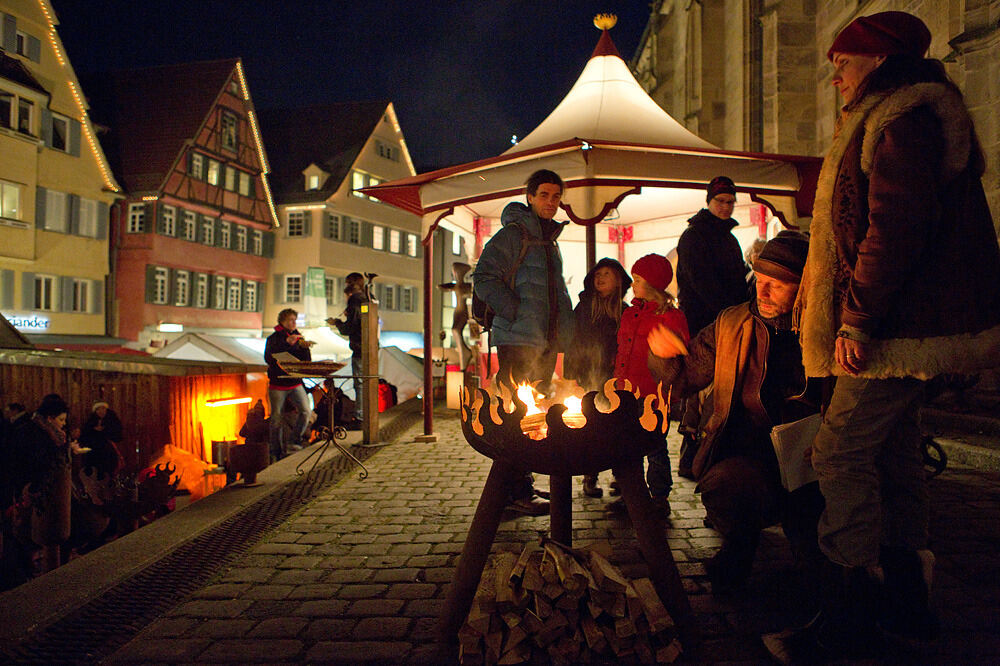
[885, 33]
[654, 269]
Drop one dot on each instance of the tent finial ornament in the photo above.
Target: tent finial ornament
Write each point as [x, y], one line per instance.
[605, 21]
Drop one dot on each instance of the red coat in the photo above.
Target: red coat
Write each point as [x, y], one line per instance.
[633, 348]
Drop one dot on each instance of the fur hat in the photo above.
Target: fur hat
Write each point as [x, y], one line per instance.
[720, 185]
[885, 33]
[783, 257]
[654, 269]
[99, 403]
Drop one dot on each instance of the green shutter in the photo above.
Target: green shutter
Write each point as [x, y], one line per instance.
[40, 207]
[150, 283]
[147, 219]
[9, 33]
[218, 233]
[73, 214]
[103, 213]
[279, 288]
[366, 234]
[65, 294]
[46, 127]
[6, 288]
[268, 244]
[97, 293]
[307, 224]
[34, 49]
[260, 297]
[28, 291]
[74, 137]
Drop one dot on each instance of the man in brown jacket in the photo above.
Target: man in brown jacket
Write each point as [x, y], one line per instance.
[752, 354]
[900, 286]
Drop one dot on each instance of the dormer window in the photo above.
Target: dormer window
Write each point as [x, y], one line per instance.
[314, 177]
[312, 182]
[228, 125]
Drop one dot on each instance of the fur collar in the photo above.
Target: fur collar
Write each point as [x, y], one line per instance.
[814, 307]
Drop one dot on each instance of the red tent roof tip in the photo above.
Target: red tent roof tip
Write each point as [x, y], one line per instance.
[605, 47]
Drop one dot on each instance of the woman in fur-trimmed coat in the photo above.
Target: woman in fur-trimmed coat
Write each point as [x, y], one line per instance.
[899, 286]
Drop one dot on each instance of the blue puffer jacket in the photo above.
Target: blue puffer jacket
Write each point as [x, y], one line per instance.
[522, 315]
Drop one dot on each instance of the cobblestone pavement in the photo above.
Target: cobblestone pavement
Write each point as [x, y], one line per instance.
[360, 574]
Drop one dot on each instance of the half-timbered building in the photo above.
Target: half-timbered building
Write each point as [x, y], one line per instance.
[192, 240]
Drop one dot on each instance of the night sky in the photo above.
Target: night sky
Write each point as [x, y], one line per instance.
[463, 75]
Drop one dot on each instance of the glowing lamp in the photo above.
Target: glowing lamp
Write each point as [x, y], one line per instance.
[219, 402]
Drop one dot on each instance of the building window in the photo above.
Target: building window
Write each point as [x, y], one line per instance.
[201, 292]
[224, 235]
[312, 182]
[235, 294]
[55, 211]
[88, 218]
[241, 239]
[331, 290]
[190, 226]
[332, 226]
[296, 223]
[60, 132]
[136, 218]
[208, 231]
[24, 110]
[456, 244]
[220, 292]
[228, 130]
[10, 200]
[354, 232]
[389, 297]
[250, 300]
[6, 109]
[160, 285]
[230, 179]
[234, 87]
[169, 221]
[197, 165]
[244, 183]
[357, 182]
[81, 295]
[213, 172]
[182, 287]
[378, 238]
[406, 299]
[411, 245]
[258, 243]
[394, 237]
[293, 288]
[45, 290]
[386, 151]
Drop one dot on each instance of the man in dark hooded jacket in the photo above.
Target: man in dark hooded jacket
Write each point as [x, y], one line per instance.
[534, 315]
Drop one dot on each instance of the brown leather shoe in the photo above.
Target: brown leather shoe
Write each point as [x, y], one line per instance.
[590, 487]
[530, 506]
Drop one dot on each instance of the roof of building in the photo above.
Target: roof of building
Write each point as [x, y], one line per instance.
[10, 337]
[328, 135]
[152, 112]
[14, 70]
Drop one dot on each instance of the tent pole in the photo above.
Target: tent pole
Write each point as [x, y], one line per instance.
[428, 396]
[591, 246]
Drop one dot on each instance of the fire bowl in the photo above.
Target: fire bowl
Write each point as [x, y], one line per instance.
[626, 431]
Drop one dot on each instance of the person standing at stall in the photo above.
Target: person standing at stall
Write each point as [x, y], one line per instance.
[281, 388]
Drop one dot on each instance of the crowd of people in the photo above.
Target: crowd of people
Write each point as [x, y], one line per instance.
[842, 327]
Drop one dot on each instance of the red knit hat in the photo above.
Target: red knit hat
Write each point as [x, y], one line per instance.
[654, 269]
[885, 33]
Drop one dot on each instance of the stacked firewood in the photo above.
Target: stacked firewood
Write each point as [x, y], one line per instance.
[567, 605]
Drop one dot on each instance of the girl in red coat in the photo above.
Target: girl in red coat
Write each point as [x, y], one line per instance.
[651, 307]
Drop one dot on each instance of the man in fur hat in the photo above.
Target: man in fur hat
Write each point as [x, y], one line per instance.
[900, 286]
[753, 356]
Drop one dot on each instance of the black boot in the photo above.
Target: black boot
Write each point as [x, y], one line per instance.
[730, 569]
[905, 609]
[844, 628]
[590, 487]
[689, 447]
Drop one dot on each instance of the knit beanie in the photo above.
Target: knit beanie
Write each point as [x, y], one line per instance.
[654, 269]
[720, 185]
[783, 257]
[885, 33]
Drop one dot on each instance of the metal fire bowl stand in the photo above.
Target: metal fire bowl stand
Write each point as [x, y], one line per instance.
[617, 440]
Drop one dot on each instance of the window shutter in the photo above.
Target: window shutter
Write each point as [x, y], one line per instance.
[150, 283]
[27, 289]
[73, 214]
[161, 223]
[6, 288]
[367, 236]
[279, 288]
[171, 285]
[268, 238]
[307, 224]
[147, 220]
[40, 207]
[9, 33]
[46, 127]
[200, 221]
[103, 213]
[34, 49]
[74, 137]
[65, 294]
[218, 233]
[260, 297]
[97, 297]
[415, 300]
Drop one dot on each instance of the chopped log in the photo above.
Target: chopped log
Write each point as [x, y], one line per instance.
[514, 638]
[570, 573]
[504, 592]
[517, 573]
[606, 576]
[479, 618]
[595, 639]
[552, 591]
[533, 580]
[543, 607]
[669, 653]
[656, 614]
[624, 627]
[518, 655]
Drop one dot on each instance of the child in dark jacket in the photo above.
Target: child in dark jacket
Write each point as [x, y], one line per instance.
[591, 359]
[651, 307]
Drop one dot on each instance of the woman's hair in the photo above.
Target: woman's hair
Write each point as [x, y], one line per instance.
[607, 306]
[901, 70]
[52, 405]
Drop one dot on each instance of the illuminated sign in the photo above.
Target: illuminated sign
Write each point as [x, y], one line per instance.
[29, 323]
